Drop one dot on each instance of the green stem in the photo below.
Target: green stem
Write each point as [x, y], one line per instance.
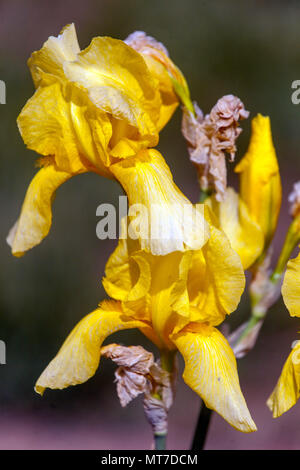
[204, 194]
[160, 441]
[167, 360]
[252, 322]
[291, 240]
[202, 428]
[183, 94]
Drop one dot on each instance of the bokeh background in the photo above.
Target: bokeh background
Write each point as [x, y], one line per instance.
[250, 49]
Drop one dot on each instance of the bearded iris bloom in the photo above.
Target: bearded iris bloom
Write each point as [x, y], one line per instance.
[176, 300]
[99, 110]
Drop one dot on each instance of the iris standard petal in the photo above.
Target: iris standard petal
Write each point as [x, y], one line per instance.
[46, 65]
[117, 80]
[77, 135]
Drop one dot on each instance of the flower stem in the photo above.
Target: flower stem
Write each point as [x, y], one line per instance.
[291, 240]
[204, 194]
[160, 441]
[202, 428]
[167, 360]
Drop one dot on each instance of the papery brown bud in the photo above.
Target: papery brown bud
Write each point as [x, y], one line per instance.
[210, 138]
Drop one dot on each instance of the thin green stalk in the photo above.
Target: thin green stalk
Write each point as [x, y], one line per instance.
[167, 360]
[204, 194]
[291, 241]
[160, 441]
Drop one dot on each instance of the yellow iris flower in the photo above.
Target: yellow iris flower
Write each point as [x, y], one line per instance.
[176, 300]
[287, 391]
[98, 110]
[250, 218]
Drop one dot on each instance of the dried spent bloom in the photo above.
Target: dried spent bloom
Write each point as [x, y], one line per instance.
[210, 138]
[138, 373]
[294, 199]
[141, 42]
[134, 366]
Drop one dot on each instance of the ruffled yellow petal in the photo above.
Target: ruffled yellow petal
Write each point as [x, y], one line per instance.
[245, 235]
[169, 297]
[151, 288]
[118, 81]
[127, 277]
[77, 134]
[291, 287]
[46, 65]
[260, 185]
[35, 219]
[287, 390]
[167, 220]
[216, 279]
[79, 356]
[169, 100]
[162, 69]
[211, 371]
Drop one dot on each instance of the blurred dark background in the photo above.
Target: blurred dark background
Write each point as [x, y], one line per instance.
[250, 49]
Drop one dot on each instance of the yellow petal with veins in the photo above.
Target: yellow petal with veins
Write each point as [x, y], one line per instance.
[168, 97]
[260, 185]
[46, 65]
[151, 288]
[287, 390]
[79, 356]
[77, 134]
[291, 287]
[127, 278]
[211, 371]
[169, 221]
[162, 68]
[216, 279]
[35, 219]
[169, 298]
[117, 80]
[245, 235]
